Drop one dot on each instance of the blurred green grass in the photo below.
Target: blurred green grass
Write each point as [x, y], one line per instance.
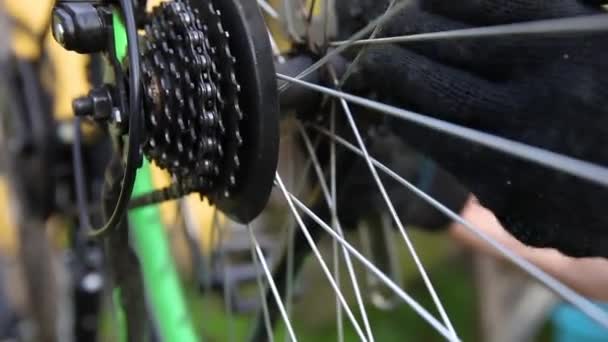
[314, 310]
[314, 313]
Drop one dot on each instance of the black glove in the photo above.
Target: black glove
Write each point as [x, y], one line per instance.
[547, 92]
[359, 197]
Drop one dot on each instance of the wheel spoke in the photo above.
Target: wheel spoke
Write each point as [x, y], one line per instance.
[202, 272]
[226, 294]
[275, 49]
[334, 220]
[351, 66]
[545, 28]
[576, 167]
[268, 9]
[332, 163]
[357, 36]
[556, 286]
[320, 259]
[215, 240]
[371, 267]
[330, 198]
[259, 258]
[336, 266]
[311, 12]
[396, 218]
[290, 274]
[325, 23]
[263, 299]
[291, 229]
[288, 6]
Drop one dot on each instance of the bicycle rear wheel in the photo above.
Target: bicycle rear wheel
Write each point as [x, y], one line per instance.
[351, 135]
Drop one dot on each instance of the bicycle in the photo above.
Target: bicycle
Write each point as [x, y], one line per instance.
[229, 152]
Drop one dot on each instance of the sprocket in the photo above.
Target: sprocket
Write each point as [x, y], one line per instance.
[211, 116]
[228, 100]
[183, 123]
[191, 92]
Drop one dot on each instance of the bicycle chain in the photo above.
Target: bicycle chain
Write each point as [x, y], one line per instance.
[229, 96]
[193, 117]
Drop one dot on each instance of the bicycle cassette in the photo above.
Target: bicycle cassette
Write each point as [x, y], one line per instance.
[211, 102]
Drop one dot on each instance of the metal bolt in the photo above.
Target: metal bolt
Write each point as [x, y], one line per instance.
[92, 282]
[79, 26]
[116, 115]
[83, 106]
[65, 132]
[58, 31]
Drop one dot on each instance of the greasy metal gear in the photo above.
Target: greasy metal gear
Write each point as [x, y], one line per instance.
[193, 116]
[223, 64]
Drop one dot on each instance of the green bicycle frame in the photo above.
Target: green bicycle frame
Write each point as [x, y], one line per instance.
[164, 293]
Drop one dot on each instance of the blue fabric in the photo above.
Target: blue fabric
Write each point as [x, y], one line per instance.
[571, 325]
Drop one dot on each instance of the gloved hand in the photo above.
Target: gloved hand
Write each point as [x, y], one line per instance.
[547, 92]
[359, 197]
